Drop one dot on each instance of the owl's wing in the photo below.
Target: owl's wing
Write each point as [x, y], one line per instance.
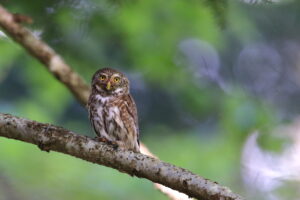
[131, 109]
[90, 110]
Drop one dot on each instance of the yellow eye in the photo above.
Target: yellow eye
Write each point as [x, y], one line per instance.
[102, 77]
[117, 79]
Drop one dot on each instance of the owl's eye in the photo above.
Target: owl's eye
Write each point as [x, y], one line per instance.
[102, 77]
[117, 79]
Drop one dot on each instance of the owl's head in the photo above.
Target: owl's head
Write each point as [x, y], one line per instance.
[108, 81]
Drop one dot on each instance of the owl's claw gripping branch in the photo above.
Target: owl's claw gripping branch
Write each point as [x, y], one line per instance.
[105, 140]
[101, 139]
[114, 145]
[65, 141]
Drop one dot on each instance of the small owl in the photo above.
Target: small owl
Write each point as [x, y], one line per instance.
[112, 110]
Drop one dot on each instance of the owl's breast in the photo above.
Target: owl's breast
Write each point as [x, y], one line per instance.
[113, 120]
[109, 118]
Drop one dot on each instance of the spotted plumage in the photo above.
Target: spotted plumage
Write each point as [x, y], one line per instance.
[112, 110]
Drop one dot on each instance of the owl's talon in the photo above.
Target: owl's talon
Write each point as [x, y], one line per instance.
[114, 145]
[107, 141]
[101, 139]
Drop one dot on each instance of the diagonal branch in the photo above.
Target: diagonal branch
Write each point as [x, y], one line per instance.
[49, 137]
[63, 72]
[46, 55]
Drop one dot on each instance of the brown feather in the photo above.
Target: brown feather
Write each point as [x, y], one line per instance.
[113, 113]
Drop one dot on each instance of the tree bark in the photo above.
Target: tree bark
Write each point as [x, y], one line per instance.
[52, 138]
[46, 55]
[63, 72]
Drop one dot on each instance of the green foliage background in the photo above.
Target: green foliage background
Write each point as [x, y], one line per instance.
[190, 122]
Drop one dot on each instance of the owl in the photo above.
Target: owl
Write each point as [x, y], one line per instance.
[112, 110]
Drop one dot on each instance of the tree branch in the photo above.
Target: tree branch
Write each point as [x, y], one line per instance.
[63, 72]
[49, 137]
[46, 55]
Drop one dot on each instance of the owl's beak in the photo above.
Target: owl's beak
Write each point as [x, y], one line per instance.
[108, 86]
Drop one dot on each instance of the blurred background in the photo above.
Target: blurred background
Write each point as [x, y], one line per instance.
[217, 85]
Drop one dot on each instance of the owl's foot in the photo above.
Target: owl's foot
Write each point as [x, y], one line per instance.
[113, 144]
[107, 141]
[101, 139]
